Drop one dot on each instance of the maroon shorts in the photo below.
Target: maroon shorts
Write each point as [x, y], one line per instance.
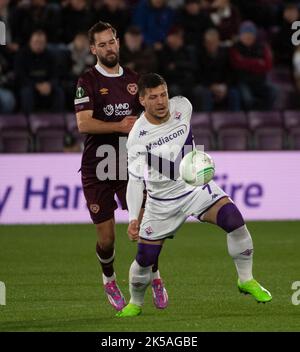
[100, 197]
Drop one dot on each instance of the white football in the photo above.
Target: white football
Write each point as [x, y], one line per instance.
[197, 168]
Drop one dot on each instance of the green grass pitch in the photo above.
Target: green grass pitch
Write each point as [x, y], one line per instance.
[53, 282]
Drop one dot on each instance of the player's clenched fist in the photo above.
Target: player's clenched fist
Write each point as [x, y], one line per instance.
[133, 230]
[126, 124]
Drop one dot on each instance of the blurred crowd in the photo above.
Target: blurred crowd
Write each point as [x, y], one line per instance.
[221, 54]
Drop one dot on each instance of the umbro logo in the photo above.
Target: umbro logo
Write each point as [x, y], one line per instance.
[142, 133]
[137, 284]
[103, 91]
[247, 252]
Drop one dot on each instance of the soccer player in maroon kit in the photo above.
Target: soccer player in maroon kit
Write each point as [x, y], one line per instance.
[106, 106]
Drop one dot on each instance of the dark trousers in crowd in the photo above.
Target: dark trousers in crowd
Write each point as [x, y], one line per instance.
[259, 96]
[204, 100]
[32, 100]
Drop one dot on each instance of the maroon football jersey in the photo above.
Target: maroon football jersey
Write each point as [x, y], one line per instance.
[111, 98]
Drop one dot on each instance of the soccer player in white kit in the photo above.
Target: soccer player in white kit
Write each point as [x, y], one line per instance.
[157, 142]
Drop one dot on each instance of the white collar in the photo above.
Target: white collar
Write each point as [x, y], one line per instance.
[104, 73]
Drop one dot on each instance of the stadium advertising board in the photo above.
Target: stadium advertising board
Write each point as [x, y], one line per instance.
[46, 188]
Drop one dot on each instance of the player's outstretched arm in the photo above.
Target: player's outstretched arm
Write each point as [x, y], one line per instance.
[87, 124]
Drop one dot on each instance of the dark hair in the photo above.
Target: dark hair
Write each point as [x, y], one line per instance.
[149, 80]
[133, 30]
[38, 32]
[290, 6]
[98, 28]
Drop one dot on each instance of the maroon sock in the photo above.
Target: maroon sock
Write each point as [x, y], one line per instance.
[106, 260]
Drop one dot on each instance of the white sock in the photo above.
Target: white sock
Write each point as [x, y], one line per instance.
[240, 247]
[155, 275]
[139, 279]
[107, 279]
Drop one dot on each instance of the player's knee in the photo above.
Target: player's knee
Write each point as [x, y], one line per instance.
[147, 254]
[106, 238]
[229, 218]
[105, 244]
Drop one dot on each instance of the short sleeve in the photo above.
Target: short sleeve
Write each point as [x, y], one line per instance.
[183, 105]
[187, 107]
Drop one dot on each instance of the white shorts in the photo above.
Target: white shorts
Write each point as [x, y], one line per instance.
[162, 218]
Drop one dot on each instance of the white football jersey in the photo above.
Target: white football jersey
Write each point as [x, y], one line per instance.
[155, 151]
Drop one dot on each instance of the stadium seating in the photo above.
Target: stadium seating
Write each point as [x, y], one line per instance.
[282, 79]
[13, 121]
[291, 120]
[200, 120]
[227, 119]
[294, 138]
[233, 139]
[46, 121]
[272, 130]
[231, 129]
[72, 129]
[205, 137]
[266, 126]
[14, 136]
[260, 119]
[50, 140]
[201, 128]
[49, 131]
[14, 141]
[269, 138]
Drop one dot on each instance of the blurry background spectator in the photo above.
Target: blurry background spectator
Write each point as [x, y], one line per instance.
[36, 75]
[154, 18]
[80, 54]
[226, 17]
[76, 18]
[177, 64]
[113, 11]
[79, 58]
[186, 62]
[7, 99]
[34, 15]
[175, 4]
[135, 54]
[195, 21]
[215, 78]
[6, 16]
[264, 13]
[296, 71]
[63, 20]
[283, 46]
[252, 61]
